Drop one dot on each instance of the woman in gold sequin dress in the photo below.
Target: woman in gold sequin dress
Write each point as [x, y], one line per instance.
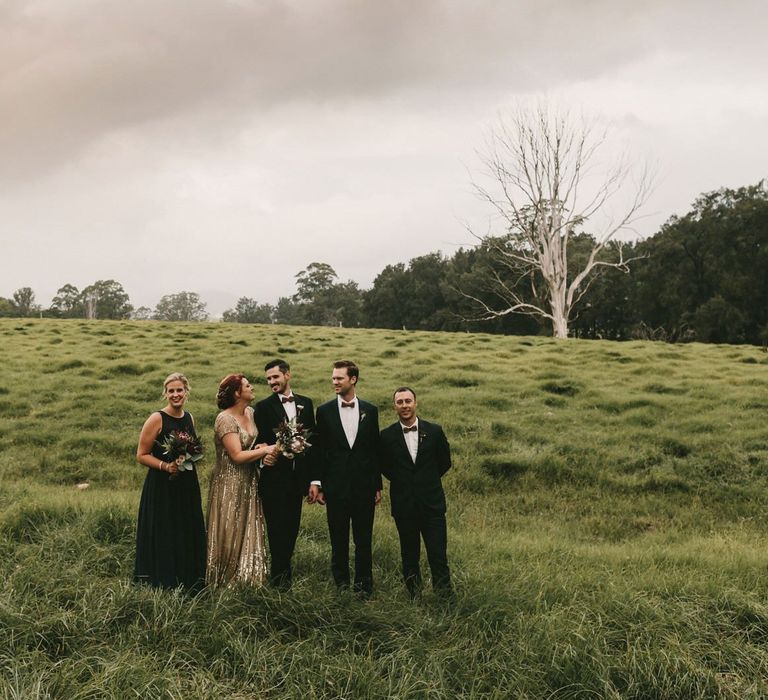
[236, 544]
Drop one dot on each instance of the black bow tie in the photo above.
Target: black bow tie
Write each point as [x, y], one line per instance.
[286, 399]
[408, 430]
[345, 404]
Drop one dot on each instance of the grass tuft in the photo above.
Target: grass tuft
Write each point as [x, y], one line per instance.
[560, 388]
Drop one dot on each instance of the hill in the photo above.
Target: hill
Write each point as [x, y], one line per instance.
[606, 515]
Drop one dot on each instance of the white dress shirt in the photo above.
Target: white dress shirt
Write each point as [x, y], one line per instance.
[289, 406]
[350, 419]
[412, 440]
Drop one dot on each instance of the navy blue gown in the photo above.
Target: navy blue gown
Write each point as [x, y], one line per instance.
[170, 537]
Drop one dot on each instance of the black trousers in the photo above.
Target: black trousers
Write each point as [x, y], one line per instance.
[282, 516]
[431, 527]
[359, 514]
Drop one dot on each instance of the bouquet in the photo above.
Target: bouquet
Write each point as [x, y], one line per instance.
[292, 438]
[184, 449]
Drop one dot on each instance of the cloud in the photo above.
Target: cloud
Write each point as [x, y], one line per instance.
[131, 128]
[75, 71]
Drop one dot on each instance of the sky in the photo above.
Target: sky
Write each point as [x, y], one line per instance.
[221, 146]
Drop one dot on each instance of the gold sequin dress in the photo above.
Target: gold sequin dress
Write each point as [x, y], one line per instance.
[236, 546]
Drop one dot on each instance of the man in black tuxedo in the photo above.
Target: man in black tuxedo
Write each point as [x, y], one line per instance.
[347, 461]
[284, 484]
[415, 455]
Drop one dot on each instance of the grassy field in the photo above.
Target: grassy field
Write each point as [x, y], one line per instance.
[607, 522]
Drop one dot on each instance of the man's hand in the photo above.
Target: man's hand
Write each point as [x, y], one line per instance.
[316, 495]
[377, 498]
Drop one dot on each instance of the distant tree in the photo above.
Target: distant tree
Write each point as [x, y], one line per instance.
[411, 297]
[68, 302]
[183, 306]
[705, 274]
[607, 309]
[143, 313]
[105, 299]
[344, 303]
[7, 308]
[426, 304]
[718, 321]
[312, 282]
[248, 310]
[471, 275]
[24, 302]
[289, 312]
[313, 295]
[541, 165]
[384, 302]
[322, 301]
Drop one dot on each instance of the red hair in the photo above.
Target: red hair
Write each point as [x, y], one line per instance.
[232, 383]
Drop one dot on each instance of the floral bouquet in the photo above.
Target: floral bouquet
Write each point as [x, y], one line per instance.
[292, 438]
[184, 449]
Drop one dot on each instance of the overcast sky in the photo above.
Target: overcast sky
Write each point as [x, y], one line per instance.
[221, 146]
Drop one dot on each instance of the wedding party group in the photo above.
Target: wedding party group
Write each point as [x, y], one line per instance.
[270, 459]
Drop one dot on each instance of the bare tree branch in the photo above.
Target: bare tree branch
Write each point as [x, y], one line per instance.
[542, 167]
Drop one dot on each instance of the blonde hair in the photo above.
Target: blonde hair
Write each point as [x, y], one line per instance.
[176, 377]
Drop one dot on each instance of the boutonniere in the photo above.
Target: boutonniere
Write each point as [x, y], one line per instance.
[299, 408]
[362, 416]
[422, 436]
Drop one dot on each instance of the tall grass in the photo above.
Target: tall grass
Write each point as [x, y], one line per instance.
[607, 522]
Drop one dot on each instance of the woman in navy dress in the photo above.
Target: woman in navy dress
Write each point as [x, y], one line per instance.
[170, 537]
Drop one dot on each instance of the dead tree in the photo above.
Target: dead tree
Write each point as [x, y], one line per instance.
[545, 183]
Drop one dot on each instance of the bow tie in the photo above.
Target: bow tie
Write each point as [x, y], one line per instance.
[408, 430]
[286, 399]
[347, 404]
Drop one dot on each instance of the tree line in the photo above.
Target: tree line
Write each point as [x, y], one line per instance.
[104, 299]
[703, 276]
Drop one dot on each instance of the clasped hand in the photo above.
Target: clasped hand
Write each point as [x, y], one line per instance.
[270, 458]
[315, 495]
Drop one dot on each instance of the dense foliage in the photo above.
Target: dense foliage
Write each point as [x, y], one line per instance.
[703, 276]
[706, 273]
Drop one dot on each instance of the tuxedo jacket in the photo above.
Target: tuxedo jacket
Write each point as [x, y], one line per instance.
[296, 471]
[347, 473]
[415, 487]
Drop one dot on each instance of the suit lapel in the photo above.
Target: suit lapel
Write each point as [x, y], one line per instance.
[402, 445]
[363, 409]
[279, 411]
[423, 436]
[337, 424]
[362, 417]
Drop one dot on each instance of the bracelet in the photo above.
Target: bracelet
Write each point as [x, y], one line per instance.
[162, 466]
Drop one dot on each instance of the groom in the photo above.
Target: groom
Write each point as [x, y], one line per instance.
[283, 485]
[347, 468]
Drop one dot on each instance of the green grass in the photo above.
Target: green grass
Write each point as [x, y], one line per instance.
[607, 522]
